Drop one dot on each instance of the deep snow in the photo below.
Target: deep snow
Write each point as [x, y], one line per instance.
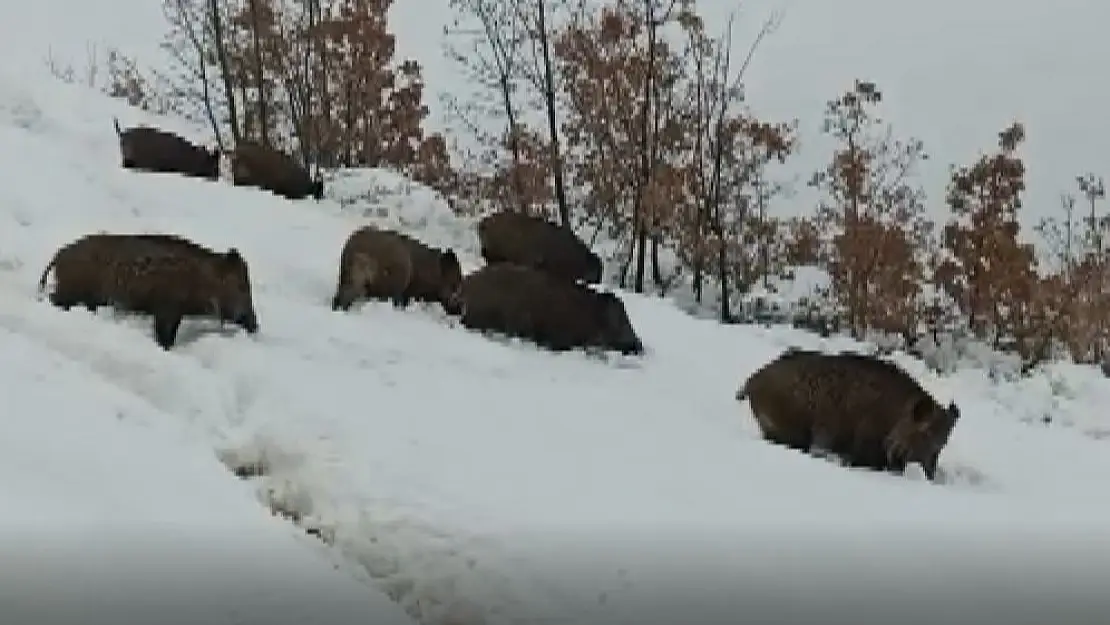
[470, 479]
[478, 480]
[115, 512]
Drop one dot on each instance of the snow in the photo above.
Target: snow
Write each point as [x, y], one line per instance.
[468, 479]
[105, 495]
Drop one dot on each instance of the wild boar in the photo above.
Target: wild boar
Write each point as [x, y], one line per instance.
[78, 265]
[535, 242]
[436, 274]
[255, 165]
[573, 315]
[496, 298]
[375, 264]
[868, 411]
[143, 148]
[160, 275]
[617, 327]
[525, 302]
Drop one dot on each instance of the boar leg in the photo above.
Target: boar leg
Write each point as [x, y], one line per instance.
[930, 467]
[345, 295]
[823, 443]
[66, 300]
[401, 300]
[62, 301]
[166, 323]
[775, 437]
[865, 456]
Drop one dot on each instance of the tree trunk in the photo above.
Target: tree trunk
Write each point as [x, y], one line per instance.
[700, 196]
[656, 273]
[552, 125]
[259, 77]
[349, 126]
[514, 142]
[638, 209]
[325, 145]
[718, 164]
[225, 68]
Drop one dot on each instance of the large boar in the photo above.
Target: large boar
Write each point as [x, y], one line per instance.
[866, 410]
[528, 303]
[79, 265]
[535, 242]
[375, 264]
[255, 165]
[160, 275]
[436, 274]
[496, 298]
[143, 148]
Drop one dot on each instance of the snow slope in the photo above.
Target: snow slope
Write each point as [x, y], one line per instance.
[106, 497]
[483, 481]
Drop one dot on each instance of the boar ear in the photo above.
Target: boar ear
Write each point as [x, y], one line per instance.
[232, 256]
[953, 411]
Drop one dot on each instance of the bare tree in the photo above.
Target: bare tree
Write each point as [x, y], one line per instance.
[875, 213]
[722, 131]
[194, 31]
[493, 61]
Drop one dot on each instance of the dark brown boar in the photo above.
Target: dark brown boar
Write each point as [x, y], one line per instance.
[570, 315]
[165, 276]
[171, 287]
[78, 265]
[143, 148]
[528, 303]
[866, 410]
[497, 298]
[255, 165]
[436, 274]
[617, 330]
[375, 264]
[535, 242]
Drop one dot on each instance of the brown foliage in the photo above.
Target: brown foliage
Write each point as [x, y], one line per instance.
[316, 78]
[1080, 286]
[656, 150]
[803, 243]
[988, 272]
[876, 213]
[628, 119]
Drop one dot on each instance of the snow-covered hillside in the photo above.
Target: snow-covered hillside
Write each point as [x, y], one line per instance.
[476, 480]
[472, 481]
[114, 512]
